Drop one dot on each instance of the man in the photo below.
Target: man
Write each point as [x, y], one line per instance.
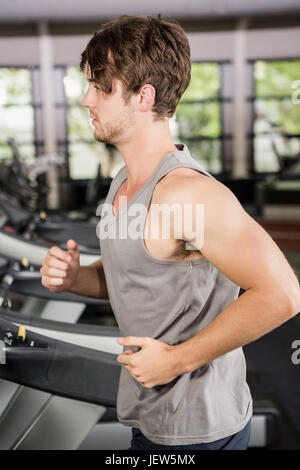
[182, 382]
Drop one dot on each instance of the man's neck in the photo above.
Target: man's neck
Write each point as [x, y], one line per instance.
[141, 161]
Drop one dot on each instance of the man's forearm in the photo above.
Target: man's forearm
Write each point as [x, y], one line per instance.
[249, 317]
[91, 281]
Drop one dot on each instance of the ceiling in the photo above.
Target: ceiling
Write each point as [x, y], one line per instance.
[91, 10]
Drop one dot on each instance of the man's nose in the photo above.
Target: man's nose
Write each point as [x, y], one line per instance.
[87, 101]
[84, 102]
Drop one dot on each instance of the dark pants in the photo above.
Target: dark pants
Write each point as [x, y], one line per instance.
[238, 441]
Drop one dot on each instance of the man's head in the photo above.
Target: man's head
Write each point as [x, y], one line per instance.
[134, 55]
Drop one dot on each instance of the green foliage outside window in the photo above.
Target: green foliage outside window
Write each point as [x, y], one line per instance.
[274, 78]
[16, 112]
[205, 82]
[15, 86]
[277, 117]
[198, 115]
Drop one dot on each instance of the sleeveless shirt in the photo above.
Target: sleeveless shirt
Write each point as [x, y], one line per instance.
[171, 301]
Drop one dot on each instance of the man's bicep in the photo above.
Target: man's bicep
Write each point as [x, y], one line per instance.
[239, 247]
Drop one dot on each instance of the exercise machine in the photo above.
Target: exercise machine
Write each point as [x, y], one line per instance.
[53, 229]
[14, 246]
[54, 391]
[58, 381]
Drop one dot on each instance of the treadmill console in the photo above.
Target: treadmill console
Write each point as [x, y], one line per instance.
[13, 336]
[57, 367]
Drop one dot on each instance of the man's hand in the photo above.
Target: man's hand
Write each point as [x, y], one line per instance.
[60, 268]
[154, 364]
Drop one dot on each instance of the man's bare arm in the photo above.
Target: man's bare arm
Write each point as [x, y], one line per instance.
[91, 281]
[241, 249]
[246, 254]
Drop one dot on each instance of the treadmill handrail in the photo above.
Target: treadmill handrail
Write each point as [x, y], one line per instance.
[15, 247]
[61, 368]
[86, 329]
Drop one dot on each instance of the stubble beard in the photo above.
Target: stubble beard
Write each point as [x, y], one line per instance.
[114, 132]
[104, 136]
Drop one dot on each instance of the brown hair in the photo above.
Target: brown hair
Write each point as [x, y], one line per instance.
[137, 50]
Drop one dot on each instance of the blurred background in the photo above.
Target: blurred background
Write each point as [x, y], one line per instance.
[240, 118]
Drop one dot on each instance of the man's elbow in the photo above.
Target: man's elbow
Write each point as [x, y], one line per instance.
[293, 301]
[284, 299]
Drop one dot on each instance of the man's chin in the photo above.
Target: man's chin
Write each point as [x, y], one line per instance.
[102, 139]
[98, 137]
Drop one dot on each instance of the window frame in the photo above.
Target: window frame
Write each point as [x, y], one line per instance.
[251, 135]
[38, 141]
[220, 99]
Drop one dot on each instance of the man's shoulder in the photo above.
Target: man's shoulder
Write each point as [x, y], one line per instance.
[188, 185]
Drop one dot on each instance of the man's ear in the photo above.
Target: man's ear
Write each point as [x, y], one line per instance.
[146, 97]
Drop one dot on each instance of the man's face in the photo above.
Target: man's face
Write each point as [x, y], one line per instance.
[113, 120]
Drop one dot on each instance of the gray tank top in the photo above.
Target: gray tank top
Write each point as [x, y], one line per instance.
[171, 300]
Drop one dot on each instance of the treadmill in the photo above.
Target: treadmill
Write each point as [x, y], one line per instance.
[41, 308]
[40, 312]
[20, 277]
[14, 246]
[39, 300]
[61, 380]
[53, 391]
[52, 229]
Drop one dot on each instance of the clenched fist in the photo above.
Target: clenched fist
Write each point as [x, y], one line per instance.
[60, 268]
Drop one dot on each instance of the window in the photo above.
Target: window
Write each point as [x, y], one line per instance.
[198, 119]
[276, 120]
[75, 131]
[17, 112]
[198, 122]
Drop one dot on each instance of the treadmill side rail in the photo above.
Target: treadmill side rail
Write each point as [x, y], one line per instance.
[60, 368]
